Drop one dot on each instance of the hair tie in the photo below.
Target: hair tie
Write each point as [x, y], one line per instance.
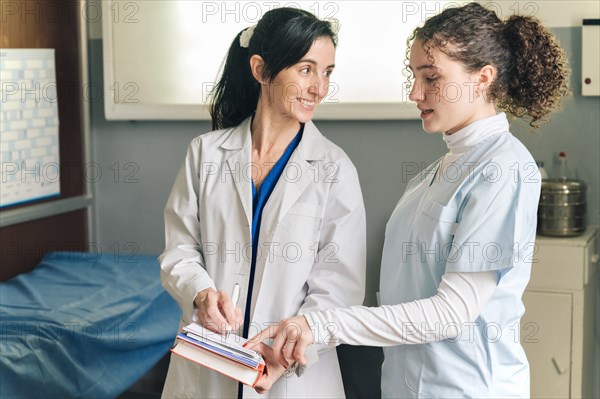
[246, 36]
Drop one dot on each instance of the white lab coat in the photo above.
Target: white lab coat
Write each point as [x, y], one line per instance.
[312, 248]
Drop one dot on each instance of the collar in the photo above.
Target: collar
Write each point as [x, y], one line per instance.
[312, 147]
[468, 137]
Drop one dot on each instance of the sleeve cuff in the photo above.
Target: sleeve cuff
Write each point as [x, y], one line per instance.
[324, 332]
[312, 355]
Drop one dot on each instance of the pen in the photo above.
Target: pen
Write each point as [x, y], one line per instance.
[235, 297]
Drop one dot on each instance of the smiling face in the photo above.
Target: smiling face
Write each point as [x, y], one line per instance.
[296, 91]
[448, 96]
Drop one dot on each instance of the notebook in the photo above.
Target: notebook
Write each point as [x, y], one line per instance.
[225, 355]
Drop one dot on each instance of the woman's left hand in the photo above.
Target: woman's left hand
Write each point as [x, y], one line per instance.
[274, 370]
[292, 337]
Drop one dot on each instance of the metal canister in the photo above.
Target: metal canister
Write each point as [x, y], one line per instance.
[562, 209]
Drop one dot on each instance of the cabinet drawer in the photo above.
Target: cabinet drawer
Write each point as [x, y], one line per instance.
[565, 263]
[558, 267]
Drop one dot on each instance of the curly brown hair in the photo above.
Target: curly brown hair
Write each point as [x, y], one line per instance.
[532, 69]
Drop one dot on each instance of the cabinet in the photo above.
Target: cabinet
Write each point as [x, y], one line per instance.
[557, 329]
[590, 57]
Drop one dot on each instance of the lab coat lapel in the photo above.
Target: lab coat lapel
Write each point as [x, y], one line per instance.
[239, 164]
[295, 178]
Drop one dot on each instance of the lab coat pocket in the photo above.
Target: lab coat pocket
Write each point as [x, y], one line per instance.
[305, 209]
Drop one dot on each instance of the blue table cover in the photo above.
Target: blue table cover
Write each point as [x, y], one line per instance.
[83, 325]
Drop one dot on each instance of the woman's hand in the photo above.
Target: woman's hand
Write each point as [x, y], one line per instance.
[292, 337]
[217, 312]
[274, 370]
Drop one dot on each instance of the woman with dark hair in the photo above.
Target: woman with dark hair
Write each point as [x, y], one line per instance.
[265, 202]
[459, 244]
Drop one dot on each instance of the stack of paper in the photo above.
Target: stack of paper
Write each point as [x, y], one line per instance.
[223, 354]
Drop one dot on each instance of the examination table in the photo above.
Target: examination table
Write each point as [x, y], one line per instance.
[83, 325]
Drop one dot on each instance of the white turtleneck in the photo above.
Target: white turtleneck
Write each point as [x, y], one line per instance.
[468, 137]
[459, 299]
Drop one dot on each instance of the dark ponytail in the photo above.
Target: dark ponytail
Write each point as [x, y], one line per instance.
[532, 69]
[281, 37]
[236, 94]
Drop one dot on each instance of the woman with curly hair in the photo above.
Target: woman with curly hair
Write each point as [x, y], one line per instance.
[458, 246]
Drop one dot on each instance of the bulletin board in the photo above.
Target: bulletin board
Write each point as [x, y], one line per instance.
[30, 162]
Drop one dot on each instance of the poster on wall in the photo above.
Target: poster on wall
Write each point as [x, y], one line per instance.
[29, 146]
